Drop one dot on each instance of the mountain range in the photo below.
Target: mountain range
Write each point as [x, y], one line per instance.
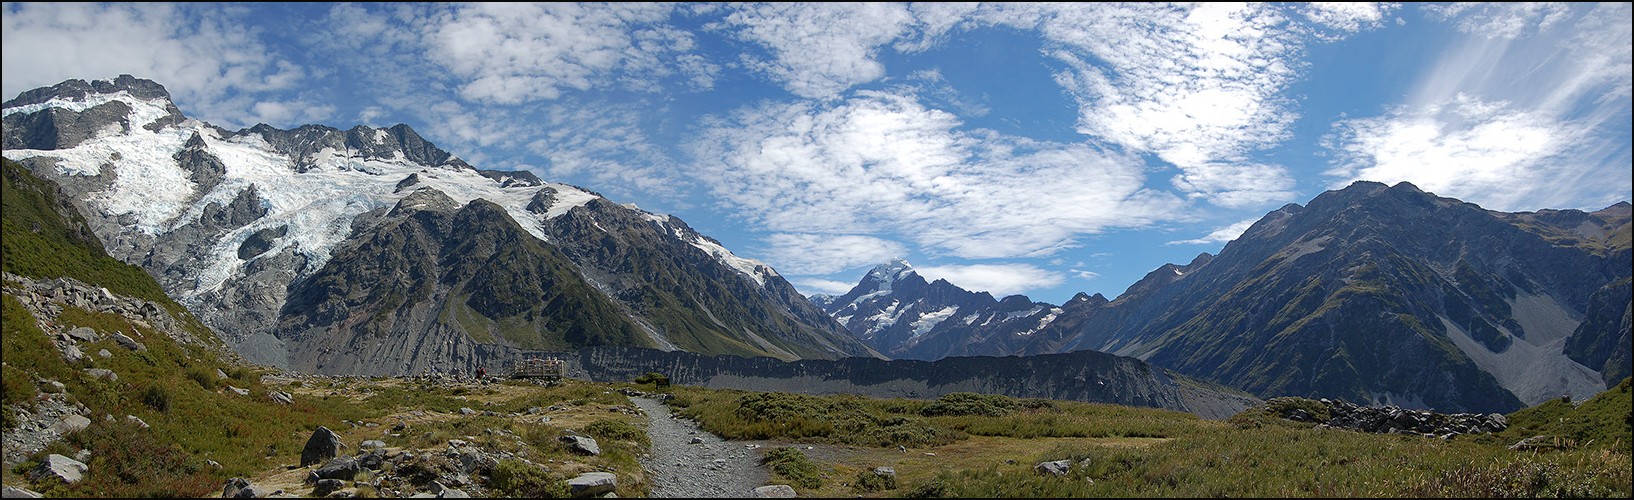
[371, 251]
[1372, 293]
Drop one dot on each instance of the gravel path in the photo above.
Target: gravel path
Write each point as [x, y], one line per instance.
[679, 468]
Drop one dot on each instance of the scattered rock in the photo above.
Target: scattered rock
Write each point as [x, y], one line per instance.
[73, 355]
[60, 467]
[342, 468]
[136, 420]
[239, 391]
[592, 483]
[326, 486]
[220, 375]
[281, 397]
[323, 445]
[83, 334]
[104, 353]
[775, 491]
[467, 411]
[1058, 467]
[697, 440]
[101, 373]
[239, 487]
[372, 444]
[1538, 443]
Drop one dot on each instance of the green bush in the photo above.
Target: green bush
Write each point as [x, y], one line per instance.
[157, 396]
[793, 465]
[869, 481]
[518, 479]
[617, 430]
[969, 403]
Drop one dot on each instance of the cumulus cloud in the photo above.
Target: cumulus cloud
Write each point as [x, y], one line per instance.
[882, 163]
[830, 287]
[998, 279]
[1348, 17]
[1500, 19]
[511, 53]
[605, 145]
[818, 50]
[806, 253]
[205, 58]
[1221, 235]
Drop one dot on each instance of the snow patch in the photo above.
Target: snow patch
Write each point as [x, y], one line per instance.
[1042, 322]
[929, 320]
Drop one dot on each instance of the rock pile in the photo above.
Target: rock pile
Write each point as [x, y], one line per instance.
[1328, 413]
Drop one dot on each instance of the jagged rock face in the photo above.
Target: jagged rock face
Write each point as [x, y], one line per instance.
[663, 272]
[898, 313]
[1373, 293]
[414, 291]
[241, 227]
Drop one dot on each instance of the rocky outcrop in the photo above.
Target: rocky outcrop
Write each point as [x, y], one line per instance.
[1385, 419]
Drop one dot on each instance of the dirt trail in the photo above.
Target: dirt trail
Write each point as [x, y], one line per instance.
[677, 467]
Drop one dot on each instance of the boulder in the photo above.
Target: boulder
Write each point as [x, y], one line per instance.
[323, 445]
[327, 486]
[15, 492]
[83, 334]
[128, 343]
[581, 444]
[591, 484]
[239, 487]
[71, 423]
[775, 491]
[1058, 467]
[341, 468]
[281, 397]
[101, 373]
[60, 467]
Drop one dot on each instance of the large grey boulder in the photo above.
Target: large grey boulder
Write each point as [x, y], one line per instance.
[592, 484]
[15, 492]
[581, 444]
[239, 487]
[71, 423]
[1058, 467]
[342, 468]
[323, 445]
[128, 343]
[57, 466]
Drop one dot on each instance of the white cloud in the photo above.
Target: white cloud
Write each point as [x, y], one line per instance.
[828, 253]
[199, 53]
[1221, 235]
[510, 53]
[881, 163]
[1347, 16]
[1486, 153]
[820, 49]
[830, 287]
[1500, 19]
[998, 279]
[1200, 87]
[606, 146]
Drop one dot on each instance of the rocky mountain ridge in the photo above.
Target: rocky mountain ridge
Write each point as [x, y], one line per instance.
[1371, 293]
[240, 225]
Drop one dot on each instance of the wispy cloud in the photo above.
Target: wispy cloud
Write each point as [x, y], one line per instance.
[998, 279]
[1347, 17]
[1221, 235]
[882, 163]
[828, 253]
[1201, 88]
[1516, 116]
[818, 50]
[212, 65]
[607, 145]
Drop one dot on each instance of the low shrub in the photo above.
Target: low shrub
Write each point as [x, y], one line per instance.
[793, 465]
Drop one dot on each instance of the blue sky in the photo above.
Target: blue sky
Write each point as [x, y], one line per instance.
[1043, 149]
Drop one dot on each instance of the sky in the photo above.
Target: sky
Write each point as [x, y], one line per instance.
[1014, 148]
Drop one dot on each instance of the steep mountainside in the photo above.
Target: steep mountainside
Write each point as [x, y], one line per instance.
[241, 225]
[1375, 294]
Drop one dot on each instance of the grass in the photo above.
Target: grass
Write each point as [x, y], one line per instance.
[1137, 452]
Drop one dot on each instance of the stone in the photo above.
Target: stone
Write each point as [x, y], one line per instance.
[467, 411]
[136, 420]
[323, 445]
[15, 492]
[220, 375]
[60, 467]
[327, 486]
[73, 355]
[581, 444]
[71, 423]
[885, 471]
[83, 334]
[239, 391]
[281, 397]
[592, 483]
[128, 343]
[697, 440]
[239, 487]
[102, 373]
[104, 353]
[341, 468]
[775, 491]
[1058, 467]
[372, 444]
